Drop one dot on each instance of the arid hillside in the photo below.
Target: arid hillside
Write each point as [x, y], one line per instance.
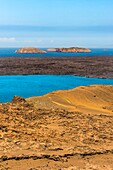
[63, 130]
[85, 98]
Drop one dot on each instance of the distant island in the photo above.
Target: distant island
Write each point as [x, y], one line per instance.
[70, 50]
[30, 50]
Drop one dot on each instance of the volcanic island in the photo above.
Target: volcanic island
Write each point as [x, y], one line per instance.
[29, 50]
[70, 50]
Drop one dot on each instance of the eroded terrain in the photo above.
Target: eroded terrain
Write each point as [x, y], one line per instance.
[32, 138]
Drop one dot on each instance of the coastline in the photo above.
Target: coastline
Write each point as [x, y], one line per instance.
[93, 66]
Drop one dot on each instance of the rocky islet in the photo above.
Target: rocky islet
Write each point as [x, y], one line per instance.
[30, 50]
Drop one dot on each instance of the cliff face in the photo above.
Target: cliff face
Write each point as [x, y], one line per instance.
[71, 49]
[30, 50]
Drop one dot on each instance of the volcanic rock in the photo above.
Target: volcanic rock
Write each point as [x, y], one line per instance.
[18, 99]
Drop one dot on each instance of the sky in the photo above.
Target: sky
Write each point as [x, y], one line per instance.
[56, 23]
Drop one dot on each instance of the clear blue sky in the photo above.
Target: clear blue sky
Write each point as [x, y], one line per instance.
[51, 23]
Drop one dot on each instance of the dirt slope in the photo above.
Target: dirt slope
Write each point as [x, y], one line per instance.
[71, 131]
[95, 98]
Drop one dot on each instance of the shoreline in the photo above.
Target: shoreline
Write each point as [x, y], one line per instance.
[55, 75]
[93, 67]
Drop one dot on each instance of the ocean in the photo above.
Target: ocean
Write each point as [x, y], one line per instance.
[37, 85]
[10, 52]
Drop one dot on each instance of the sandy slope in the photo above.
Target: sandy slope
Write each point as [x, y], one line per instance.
[73, 130]
[95, 98]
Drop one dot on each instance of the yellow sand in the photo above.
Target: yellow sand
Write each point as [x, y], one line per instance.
[88, 98]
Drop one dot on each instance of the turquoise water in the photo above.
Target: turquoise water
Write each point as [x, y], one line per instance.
[10, 52]
[36, 85]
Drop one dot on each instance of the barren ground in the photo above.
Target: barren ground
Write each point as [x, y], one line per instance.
[32, 138]
[81, 66]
